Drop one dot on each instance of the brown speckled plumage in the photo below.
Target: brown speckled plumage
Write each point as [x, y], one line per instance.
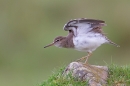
[97, 30]
[67, 42]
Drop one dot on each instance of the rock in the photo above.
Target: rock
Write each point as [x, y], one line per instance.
[95, 75]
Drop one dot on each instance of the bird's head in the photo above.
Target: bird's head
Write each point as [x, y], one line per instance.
[57, 42]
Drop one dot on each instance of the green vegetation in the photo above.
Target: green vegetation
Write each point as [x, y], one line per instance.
[57, 80]
[118, 76]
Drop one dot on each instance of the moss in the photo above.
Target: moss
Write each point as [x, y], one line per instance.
[118, 76]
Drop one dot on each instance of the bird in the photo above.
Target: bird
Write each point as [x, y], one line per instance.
[84, 35]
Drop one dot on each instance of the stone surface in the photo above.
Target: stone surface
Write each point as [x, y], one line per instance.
[95, 75]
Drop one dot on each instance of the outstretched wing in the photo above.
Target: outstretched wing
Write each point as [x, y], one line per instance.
[83, 25]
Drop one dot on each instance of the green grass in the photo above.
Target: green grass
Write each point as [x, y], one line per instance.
[118, 75]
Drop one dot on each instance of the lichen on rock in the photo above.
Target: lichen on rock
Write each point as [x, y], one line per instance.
[95, 75]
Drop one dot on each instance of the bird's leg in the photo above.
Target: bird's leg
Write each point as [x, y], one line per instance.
[85, 57]
[81, 59]
[89, 54]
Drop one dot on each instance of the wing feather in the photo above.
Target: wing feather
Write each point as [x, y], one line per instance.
[83, 25]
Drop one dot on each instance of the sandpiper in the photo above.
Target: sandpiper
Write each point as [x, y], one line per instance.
[84, 35]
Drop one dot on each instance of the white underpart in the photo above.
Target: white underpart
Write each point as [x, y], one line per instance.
[88, 42]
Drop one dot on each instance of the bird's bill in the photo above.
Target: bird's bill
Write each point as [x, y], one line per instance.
[49, 45]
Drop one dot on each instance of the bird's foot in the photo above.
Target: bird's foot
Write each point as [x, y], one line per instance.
[86, 57]
[86, 63]
[81, 59]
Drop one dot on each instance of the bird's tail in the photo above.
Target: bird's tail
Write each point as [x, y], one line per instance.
[110, 42]
[114, 44]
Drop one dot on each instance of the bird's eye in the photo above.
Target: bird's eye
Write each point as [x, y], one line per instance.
[57, 40]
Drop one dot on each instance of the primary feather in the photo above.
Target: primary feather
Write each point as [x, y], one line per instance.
[82, 26]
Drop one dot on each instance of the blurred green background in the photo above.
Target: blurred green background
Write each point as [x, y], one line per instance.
[26, 26]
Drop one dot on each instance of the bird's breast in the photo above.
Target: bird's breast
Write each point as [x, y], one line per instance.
[88, 42]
